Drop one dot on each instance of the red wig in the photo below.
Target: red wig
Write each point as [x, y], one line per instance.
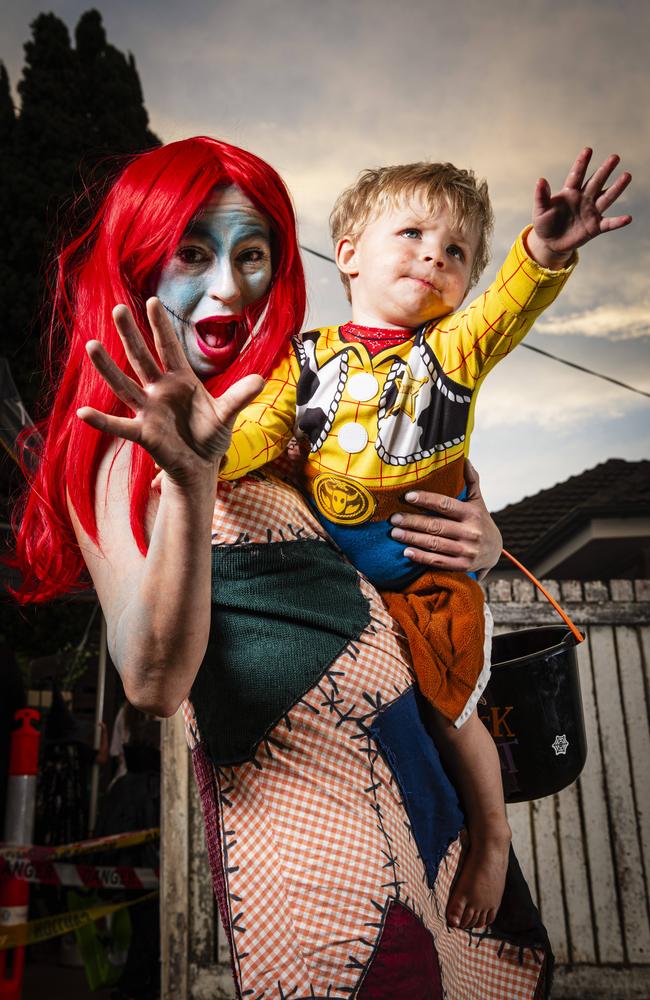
[118, 260]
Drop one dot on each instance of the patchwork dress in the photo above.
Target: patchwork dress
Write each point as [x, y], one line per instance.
[332, 829]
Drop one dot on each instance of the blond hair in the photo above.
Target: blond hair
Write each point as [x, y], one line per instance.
[465, 197]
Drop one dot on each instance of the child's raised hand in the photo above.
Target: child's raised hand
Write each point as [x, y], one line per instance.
[567, 220]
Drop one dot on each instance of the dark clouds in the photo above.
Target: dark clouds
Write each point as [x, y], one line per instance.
[323, 88]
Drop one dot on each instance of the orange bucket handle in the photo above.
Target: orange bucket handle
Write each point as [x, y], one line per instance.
[579, 637]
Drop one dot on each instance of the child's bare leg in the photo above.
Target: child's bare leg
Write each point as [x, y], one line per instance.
[472, 759]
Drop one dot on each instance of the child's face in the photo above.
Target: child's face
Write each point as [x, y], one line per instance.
[408, 266]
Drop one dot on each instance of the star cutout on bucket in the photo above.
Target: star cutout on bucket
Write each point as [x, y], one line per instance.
[560, 745]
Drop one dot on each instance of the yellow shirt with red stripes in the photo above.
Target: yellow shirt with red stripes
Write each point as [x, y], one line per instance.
[379, 423]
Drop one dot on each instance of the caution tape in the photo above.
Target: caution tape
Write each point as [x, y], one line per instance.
[15, 935]
[115, 840]
[80, 876]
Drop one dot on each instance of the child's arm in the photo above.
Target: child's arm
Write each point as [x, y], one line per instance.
[263, 430]
[471, 342]
[567, 220]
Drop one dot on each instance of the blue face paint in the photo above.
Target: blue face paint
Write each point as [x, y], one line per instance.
[221, 265]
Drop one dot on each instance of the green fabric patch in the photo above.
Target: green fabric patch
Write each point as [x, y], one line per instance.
[281, 615]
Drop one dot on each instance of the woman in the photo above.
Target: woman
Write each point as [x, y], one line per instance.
[332, 829]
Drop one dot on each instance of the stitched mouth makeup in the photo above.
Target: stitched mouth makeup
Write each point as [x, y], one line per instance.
[219, 338]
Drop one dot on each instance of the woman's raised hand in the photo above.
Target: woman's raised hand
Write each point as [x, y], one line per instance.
[175, 418]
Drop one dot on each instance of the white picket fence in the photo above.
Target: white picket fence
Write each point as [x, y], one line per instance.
[585, 852]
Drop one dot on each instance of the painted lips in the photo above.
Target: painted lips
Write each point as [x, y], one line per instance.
[219, 335]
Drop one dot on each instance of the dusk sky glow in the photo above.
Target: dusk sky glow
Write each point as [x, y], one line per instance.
[513, 89]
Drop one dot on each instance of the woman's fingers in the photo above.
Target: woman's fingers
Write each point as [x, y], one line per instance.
[424, 539]
[122, 427]
[125, 388]
[439, 551]
[456, 520]
[169, 349]
[139, 355]
[450, 541]
[434, 526]
[448, 507]
[238, 396]
[438, 560]
[462, 537]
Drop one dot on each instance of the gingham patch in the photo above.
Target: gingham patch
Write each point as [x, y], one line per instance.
[475, 967]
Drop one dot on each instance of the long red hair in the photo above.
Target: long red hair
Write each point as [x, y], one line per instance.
[118, 260]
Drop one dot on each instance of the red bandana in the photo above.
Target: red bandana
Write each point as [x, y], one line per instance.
[375, 339]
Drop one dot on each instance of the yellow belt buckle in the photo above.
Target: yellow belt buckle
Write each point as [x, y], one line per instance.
[342, 500]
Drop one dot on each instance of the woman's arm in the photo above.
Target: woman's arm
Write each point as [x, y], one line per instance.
[157, 606]
[463, 536]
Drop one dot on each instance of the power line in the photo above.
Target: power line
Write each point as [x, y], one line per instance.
[529, 347]
[316, 253]
[581, 368]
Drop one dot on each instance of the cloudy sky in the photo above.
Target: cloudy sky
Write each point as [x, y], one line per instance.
[513, 88]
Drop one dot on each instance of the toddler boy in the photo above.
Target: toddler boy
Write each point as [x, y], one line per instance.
[387, 405]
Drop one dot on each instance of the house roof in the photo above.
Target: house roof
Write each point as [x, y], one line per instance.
[616, 488]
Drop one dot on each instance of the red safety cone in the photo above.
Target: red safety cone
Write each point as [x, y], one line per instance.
[19, 829]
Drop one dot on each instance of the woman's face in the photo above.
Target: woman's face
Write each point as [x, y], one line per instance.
[221, 265]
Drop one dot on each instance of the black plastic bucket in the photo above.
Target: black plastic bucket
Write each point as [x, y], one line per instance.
[533, 711]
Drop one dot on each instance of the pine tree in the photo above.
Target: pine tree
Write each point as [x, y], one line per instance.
[9, 183]
[7, 113]
[50, 127]
[81, 108]
[114, 103]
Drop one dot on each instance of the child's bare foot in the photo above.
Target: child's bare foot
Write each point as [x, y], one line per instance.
[477, 891]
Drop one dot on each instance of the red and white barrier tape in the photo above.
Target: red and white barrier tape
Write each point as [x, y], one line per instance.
[112, 842]
[80, 876]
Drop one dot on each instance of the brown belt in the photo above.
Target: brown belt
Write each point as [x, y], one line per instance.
[345, 501]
